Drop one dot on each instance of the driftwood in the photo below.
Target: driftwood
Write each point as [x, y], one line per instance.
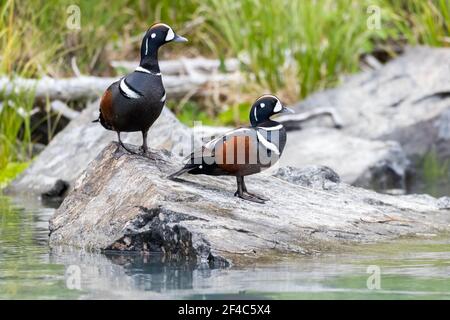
[61, 108]
[183, 65]
[191, 79]
[292, 122]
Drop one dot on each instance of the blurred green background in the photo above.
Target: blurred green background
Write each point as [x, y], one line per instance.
[290, 48]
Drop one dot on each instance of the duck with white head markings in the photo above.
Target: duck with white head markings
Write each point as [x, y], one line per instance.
[135, 102]
[243, 151]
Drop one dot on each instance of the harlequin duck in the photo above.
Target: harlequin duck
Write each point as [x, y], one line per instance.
[135, 101]
[243, 151]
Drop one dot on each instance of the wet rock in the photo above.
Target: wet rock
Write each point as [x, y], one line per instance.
[56, 194]
[320, 177]
[69, 153]
[407, 100]
[367, 163]
[125, 202]
[444, 203]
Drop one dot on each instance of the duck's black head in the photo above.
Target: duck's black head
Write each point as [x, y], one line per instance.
[158, 35]
[265, 107]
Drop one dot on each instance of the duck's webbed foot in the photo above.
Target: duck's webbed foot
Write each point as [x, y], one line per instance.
[123, 145]
[143, 150]
[242, 193]
[248, 197]
[244, 189]
[257, 196]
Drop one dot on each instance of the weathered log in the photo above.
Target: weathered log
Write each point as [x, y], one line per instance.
[89, 87]
[125, 202]
[292, 122]
[184, 65]
[61, 108]
[81, 88]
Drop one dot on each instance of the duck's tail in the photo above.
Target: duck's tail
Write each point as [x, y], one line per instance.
[175, 175]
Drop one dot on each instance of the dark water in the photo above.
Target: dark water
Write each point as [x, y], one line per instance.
[407, 269]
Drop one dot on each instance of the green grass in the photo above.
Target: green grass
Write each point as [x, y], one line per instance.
[309, 43]
[10, 171]
[288, 43]
[434, 168]
[191, 111]
[434, 173]
[15, 129]
[420, 22]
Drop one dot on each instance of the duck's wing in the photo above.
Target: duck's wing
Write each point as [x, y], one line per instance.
[139, 84]
[209, 148]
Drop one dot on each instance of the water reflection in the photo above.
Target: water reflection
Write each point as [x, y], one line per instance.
[153, 273]
[29, 269]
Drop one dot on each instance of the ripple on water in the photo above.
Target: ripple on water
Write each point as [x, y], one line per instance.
[418, 268]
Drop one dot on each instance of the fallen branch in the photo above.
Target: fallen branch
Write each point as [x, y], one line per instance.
[184, 65]
[87, 87]
[292, 121]
[63, 109]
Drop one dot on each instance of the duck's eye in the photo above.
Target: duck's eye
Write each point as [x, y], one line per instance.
[262, 105]
[153, 35]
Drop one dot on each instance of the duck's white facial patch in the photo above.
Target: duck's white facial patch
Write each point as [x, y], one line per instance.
[267, 144]
[262, 105]
[170, 34]
[128, 91]
[278, 107]
[153, 35]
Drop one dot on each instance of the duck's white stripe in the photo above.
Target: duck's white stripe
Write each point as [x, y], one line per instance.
[127, 90]
[254, 112]
[141, 69]
[146, 46]
[211, 144]
[267, 144]
[163, 98]
[271, 128]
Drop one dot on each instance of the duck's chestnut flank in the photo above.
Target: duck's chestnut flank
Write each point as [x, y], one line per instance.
[243, 151]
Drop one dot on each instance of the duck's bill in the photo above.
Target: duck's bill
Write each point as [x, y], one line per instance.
[287, 110]
[179, 39]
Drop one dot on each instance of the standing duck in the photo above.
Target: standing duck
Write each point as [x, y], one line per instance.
[243, 151]
[134, 102]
